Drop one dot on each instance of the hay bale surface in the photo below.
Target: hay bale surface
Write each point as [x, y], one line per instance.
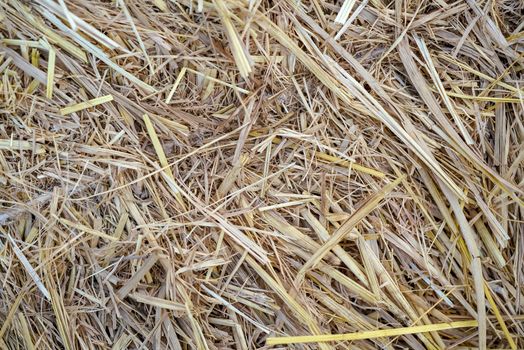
[253, 174]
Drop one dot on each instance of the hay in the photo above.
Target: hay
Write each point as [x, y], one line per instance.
[245, 173]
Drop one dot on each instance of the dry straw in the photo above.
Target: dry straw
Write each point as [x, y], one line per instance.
[249, 174]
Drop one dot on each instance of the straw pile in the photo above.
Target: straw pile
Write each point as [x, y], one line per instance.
[245, 174]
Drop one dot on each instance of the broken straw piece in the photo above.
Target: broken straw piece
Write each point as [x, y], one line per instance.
[87, 104]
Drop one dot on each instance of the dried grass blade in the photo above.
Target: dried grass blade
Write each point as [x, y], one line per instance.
[137, 276]
[87, 104]
[499, 317]
[240, 53]
[51, 60]
[16, 145]
[26, 332]
[371, 334]
[442, 92]
[218, 81]
[175, 85]
[162, 158]
[30, 270]
[344, 11]
[86, 229]
[157, 302]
